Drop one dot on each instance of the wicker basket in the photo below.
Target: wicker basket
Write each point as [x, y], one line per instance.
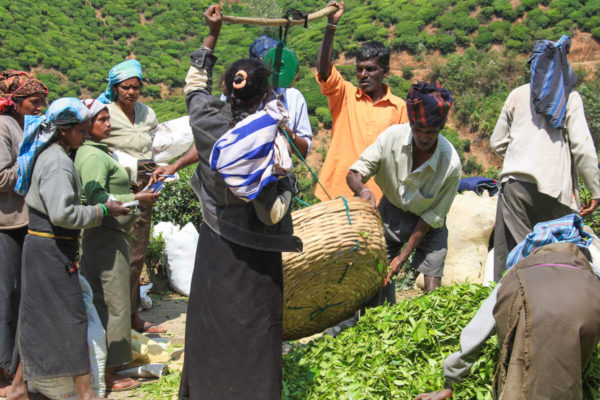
[342, 266]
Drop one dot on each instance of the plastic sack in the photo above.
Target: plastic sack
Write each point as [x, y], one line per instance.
[146, 371]
[171, 139]
[148, 351]
[128, 162]
[145, 300]
[470, 223]
[64, 388]
[180, 246]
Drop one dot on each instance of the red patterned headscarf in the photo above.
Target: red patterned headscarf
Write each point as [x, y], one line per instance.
[428, 105]
[18, 84]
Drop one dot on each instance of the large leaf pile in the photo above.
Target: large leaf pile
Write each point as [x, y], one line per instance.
[398, 352]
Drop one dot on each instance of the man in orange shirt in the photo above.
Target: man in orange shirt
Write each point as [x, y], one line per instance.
[359, 114]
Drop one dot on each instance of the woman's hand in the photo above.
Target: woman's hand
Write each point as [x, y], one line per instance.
[115, 208]
[214, 18]
[395, 267]
[335, 17]
[147, 197]
[441, 395]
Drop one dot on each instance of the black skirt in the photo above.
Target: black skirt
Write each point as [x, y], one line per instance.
[11, 244]
[52, 330]
[233, 330]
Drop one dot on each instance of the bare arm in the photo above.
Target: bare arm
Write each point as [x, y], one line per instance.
[189, 158]
[414, 240]
[214, 20]
[325, 51]
[354, 180]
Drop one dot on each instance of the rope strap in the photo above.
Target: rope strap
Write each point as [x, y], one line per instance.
[51, 236]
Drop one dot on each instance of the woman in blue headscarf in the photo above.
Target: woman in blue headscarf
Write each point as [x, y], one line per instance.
[131, 123]
[52, 314]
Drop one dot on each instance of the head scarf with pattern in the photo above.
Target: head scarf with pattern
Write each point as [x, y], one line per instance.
[428, 105]
[552, 79]
[16, 85]
[39, 131]
[95, 106]
[119, 73]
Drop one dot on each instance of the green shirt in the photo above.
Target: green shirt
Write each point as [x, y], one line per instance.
[429, 190]
[101, 175]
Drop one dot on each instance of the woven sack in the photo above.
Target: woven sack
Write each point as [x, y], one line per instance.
[342, 266]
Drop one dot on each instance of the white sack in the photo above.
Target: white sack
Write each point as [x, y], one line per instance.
[180, 246]
[171, 139]
[64, 388]
[470, 223]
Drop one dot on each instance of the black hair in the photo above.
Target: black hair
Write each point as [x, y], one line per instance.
[253, 92]
[374, 49]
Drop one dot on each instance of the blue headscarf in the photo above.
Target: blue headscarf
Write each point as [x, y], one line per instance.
[552, 79]
[119, 73]
[40, 129]
[565, 229]
[258, 48]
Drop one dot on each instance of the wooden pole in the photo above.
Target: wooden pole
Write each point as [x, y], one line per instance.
[279, 21]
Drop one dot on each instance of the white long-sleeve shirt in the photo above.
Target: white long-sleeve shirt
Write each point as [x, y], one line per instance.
[536, 152]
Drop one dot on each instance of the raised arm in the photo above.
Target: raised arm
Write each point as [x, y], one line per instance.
[214, 19]
[325, 51]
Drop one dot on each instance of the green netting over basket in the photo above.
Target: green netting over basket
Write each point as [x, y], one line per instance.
[342, 266]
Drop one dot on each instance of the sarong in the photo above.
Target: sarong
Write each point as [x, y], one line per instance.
[52, 328]
[233, 331]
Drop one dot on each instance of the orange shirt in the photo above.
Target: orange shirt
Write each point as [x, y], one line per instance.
[357, 122]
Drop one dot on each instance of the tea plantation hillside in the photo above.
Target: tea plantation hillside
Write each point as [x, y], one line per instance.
[477, 48]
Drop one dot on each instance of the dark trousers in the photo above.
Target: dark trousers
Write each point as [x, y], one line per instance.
[520, 207]
[11, 245]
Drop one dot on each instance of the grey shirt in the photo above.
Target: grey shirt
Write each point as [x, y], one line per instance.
[13, 213]
[56, 190]
[536, 152]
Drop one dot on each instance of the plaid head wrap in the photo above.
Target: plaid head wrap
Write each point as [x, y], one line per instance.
[119, 73]
[552, 79]
[18, 84]
[565, 229]
[39, 131]
[428, 105]
[261, 45]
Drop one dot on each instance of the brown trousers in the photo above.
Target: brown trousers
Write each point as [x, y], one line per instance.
[548, 323]
[520, 207]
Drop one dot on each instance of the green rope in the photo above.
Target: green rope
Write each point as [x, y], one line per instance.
[356, 246]
[344, 274]
[304, 161]
[321, 310]
[299, 200]
[347, 208]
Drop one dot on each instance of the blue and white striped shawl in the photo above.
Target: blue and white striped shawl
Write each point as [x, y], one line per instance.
[39, 131]
[551, 79]
[565, 229]
[253, 153]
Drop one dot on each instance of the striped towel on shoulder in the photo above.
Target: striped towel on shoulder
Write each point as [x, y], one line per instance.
[551, 79]
[253, 153]
[565, 229]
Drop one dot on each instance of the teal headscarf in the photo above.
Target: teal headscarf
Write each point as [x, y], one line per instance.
[119, 73]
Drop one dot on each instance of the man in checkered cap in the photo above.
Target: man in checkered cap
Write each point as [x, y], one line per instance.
[418, 172]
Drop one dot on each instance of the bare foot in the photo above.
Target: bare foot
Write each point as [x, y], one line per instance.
[18, 389]
[141, 326]
[4, 382]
